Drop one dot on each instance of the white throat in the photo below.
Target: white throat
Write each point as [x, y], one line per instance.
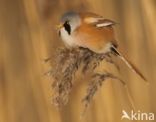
[67, 39]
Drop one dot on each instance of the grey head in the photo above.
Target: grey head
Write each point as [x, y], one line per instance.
[71, 21]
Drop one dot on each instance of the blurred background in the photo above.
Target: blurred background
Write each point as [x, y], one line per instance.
[28, 36]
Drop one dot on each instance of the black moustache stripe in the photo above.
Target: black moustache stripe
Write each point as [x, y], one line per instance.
[67, 27]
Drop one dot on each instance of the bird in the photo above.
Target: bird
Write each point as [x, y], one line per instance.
[91, 31]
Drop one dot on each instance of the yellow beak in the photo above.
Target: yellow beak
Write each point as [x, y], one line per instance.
[59, 26]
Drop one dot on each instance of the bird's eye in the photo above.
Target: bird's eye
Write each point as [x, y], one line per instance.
[67, 27]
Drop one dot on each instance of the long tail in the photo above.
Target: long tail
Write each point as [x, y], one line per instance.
[128, 63]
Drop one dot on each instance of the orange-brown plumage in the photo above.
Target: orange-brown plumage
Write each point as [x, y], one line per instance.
[95, 39]
[89, 30]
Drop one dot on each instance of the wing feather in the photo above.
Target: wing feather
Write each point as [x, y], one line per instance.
[97, 20]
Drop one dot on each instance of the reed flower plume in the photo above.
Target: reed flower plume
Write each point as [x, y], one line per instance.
[67, 62]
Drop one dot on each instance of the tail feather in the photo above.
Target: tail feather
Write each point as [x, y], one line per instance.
[128, 63]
